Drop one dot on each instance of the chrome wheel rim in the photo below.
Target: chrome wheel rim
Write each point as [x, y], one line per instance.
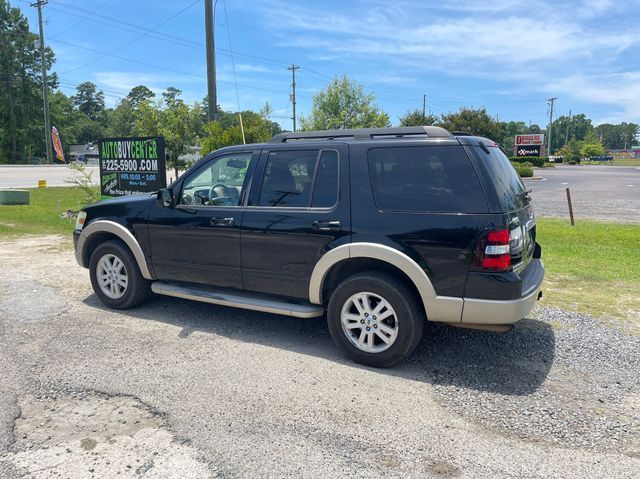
[112, 276]
[369, 322]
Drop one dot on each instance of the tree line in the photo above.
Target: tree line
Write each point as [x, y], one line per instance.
[83, 117]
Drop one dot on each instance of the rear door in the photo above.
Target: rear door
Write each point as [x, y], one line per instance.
[298, 207]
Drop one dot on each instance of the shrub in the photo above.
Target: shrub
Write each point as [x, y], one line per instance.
[537, 161]
[524, 170]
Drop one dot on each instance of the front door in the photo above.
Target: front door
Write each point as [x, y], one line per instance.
[298, 211]
[199, 239]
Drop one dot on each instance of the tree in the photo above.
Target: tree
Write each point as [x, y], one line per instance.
[473, 121]
[416, 118]
[21, 118]
[89, 100]
[257, 129]
[508, 132]
[138, 94]
[589, 150]
[344, 104]
[616, 137]
[175, 121]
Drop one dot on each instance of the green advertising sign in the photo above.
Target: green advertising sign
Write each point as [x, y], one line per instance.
[130, 166]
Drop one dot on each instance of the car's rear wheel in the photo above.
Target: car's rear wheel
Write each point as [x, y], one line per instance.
[116, 278]
[375, 319]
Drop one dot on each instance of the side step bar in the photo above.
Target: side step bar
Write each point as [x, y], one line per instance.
[237, 299]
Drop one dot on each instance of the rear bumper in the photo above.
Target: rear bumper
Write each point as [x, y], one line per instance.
[490, 311]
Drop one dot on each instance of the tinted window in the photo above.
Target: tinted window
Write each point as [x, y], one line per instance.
[506, 180]
[425, 179]
[288, 177]
[325, 189]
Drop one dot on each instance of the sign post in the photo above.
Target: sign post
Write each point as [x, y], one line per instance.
[130, 166]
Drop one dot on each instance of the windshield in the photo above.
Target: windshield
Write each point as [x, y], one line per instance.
[509, 187]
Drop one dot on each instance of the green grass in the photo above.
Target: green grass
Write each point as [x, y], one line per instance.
[43, 215]
[592, 267]
[619, 162]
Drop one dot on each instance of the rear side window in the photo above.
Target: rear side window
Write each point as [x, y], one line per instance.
[507, 183]
[300, 178]
[428, 179]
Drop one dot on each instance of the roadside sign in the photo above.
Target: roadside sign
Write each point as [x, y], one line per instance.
[130, 166]
[533, 150]
[533, 139]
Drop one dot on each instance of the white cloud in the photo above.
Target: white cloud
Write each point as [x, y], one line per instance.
[529, 45]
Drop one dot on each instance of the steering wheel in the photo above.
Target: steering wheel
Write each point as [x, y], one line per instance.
[227, 193]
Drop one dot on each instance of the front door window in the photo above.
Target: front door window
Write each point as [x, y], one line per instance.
[219, 183]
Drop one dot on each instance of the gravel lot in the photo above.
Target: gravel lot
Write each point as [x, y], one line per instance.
[182, 389]
[605, 193]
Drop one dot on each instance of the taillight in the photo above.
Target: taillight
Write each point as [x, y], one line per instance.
[493, 251]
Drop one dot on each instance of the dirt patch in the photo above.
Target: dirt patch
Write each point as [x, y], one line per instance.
[98, 436]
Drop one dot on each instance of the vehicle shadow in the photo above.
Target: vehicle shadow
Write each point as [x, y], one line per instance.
[514, 363]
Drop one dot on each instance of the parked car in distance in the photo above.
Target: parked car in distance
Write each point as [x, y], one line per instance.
[379, 229]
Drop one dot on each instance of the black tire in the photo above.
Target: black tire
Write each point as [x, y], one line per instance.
[137, 290]
[409, 316]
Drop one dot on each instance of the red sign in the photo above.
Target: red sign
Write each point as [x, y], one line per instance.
[536, 139]
[57, 144]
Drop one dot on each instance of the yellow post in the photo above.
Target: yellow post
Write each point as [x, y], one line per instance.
[42, 183]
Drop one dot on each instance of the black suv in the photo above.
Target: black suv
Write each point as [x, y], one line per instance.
[382, 229]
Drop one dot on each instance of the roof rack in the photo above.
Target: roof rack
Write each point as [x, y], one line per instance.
[462, 133]
[364, 134]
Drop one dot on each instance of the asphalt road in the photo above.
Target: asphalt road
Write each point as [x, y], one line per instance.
[189, 390]
[610, 193]
[55, 175]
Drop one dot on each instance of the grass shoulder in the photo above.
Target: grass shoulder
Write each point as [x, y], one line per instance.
[44, 214]
[593, 267]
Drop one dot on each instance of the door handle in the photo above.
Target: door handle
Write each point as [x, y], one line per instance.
[222, 221]
[327, 225]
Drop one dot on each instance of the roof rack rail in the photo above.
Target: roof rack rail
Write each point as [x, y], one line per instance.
[462, 133]
[363, 133]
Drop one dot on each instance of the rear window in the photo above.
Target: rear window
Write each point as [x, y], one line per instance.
[507, 182]
[427, 179]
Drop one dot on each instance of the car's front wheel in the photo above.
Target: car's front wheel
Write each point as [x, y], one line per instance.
[116, 278]
[375, 319]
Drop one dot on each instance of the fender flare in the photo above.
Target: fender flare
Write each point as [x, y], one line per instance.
[106, 226]
[438, 308]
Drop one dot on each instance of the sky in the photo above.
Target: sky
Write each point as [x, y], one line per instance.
[509, 56]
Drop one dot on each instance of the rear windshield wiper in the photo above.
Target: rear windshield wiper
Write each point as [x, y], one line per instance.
[524, 194]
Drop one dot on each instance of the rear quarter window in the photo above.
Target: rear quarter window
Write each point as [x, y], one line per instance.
[425, 179]
[507, 182]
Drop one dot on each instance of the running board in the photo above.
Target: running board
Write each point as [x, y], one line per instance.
[237, 299]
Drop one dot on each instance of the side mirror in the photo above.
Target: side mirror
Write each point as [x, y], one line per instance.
[165, 198]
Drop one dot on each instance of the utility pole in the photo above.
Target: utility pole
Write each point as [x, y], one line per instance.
[550, 101]
[209, 22]
[424, 106]
[45, 87]
[566, 136]
[293, 69]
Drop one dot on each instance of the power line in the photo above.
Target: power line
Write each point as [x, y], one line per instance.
[144, 34]
[75, 24]
[160, 67]
[233, 63]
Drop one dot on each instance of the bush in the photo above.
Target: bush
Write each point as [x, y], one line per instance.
[537, 161]
[524, 170]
